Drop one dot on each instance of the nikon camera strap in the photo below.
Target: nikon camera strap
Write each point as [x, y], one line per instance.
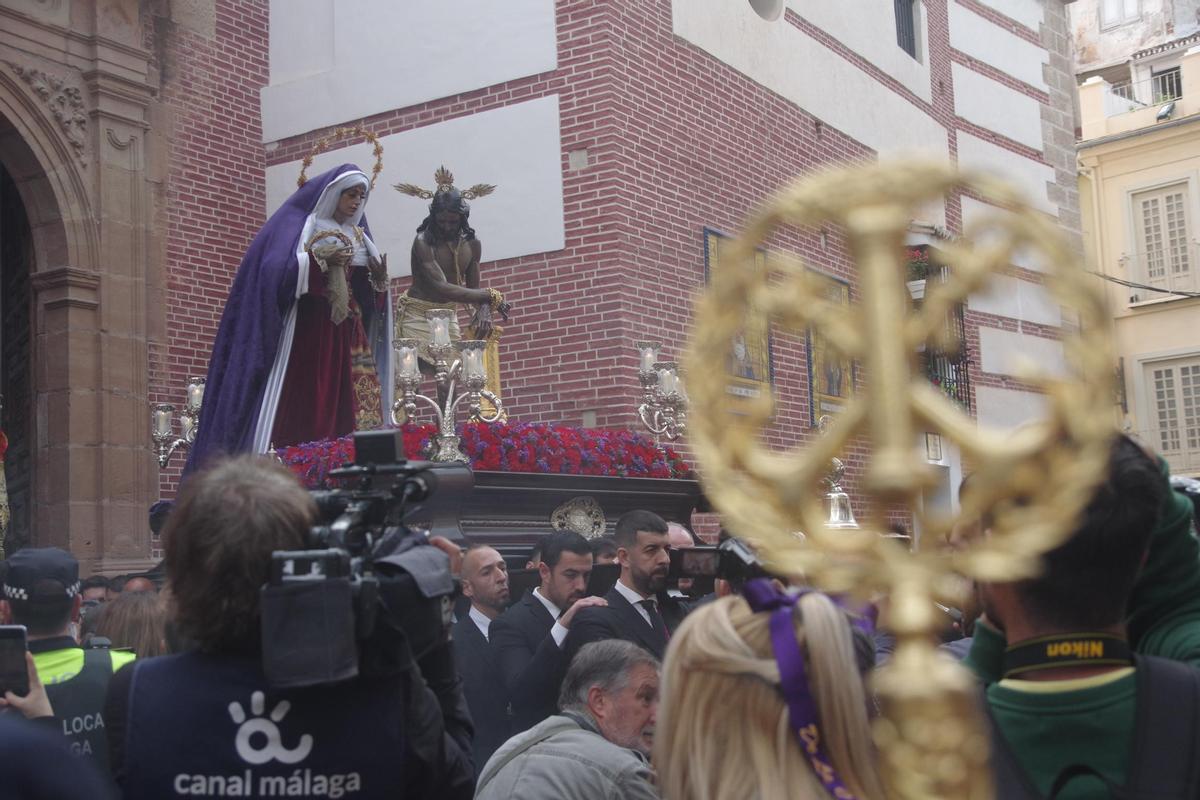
[1067, 650]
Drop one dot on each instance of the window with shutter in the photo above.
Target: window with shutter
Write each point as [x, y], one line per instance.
[906, 26]
[1173, 394]
[1164, 252]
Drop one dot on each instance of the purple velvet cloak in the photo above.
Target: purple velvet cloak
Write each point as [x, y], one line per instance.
[248, 339]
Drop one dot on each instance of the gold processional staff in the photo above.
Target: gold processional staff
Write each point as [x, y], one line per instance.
[1033, 483]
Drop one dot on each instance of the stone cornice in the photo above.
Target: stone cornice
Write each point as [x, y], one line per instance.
[67, 286]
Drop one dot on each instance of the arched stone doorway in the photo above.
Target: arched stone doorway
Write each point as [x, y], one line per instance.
[16, 358]
[81, 214]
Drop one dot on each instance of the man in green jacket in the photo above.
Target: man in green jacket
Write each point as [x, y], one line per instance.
[1056, 652]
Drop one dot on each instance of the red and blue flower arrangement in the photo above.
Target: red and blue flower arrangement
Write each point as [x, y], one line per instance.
[512, 447]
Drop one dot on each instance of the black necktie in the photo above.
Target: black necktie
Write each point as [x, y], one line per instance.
[656, 620]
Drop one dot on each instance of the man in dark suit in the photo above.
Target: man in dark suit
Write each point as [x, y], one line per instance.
[638, 608]
[485, 584]
[528, 638]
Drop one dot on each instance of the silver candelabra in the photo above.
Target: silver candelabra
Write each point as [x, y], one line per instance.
[162, 423]
[663, 407]
[466, 371]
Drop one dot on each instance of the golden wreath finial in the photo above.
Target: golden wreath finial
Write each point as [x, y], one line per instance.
[1033, 483]
[338, 133]
[444, 181]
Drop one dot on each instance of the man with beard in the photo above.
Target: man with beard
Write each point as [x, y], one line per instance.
[638, 608]
[528, 638]
[445, 271]
[485, 584]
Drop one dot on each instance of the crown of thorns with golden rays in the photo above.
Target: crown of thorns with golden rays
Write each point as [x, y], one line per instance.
[444, 179]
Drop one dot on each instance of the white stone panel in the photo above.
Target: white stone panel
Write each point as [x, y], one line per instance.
[997, 46]
[1007, 408]
[517, 148]
[1008, 352]
[787, 61]
[337, 61]
[974, 214]
[1029, 13]
[858, 25]
[1025, 173]
[992, 105]
[1011, 297]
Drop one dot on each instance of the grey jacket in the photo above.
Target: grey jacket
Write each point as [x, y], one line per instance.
[565, 758]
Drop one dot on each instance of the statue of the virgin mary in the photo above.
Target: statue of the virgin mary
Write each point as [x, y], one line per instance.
[303, 351]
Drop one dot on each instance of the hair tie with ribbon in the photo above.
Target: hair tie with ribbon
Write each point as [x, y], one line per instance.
[764, 596]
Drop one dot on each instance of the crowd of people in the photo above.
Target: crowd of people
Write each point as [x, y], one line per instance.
[1089, 673]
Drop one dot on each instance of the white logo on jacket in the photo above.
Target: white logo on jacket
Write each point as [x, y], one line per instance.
[273, 750]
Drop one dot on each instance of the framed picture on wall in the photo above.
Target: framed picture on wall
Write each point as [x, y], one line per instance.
[748, 365]
[830, 375]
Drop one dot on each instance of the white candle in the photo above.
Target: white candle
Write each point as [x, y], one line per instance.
[161, 417]
[195, 394]
[440, 326]
[472, 355]
[649, 355]
[406, 358]
[668, 377]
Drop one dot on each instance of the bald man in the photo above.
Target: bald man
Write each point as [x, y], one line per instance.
[485, 583]
[680, 538]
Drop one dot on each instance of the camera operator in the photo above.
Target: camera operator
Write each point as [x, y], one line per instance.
[207, 722]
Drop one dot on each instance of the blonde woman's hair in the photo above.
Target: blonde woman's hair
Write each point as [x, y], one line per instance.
[723, 731]
[135, 620]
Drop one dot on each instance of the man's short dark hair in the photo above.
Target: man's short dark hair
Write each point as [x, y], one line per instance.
[637, 520]
[218, 543]
[1086, 582]
[94, 582]
[604, 546]
[559, 542]
[43, 618]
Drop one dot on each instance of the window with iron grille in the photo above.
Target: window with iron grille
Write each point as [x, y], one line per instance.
[1166, 85]
[906, 26]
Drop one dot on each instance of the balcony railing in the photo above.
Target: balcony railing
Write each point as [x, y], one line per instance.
[1179, 446]
[950, 371]
[1127, 96]
[1171, 269]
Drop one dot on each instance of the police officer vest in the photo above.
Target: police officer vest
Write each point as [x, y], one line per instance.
[208, 726]
[77, 704]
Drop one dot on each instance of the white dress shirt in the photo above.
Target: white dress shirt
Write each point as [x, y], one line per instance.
[481, 621]
[635, 600]
[558, 631]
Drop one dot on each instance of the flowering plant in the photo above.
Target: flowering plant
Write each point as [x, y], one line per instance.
[511, 447]
[919, 265]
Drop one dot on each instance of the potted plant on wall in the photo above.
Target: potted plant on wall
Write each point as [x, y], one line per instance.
[919, 267]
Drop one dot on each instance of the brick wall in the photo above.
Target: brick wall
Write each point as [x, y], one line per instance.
[212, 203]
[676, 141]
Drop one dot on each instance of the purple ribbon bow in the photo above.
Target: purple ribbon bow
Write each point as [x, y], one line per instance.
[763, 596]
